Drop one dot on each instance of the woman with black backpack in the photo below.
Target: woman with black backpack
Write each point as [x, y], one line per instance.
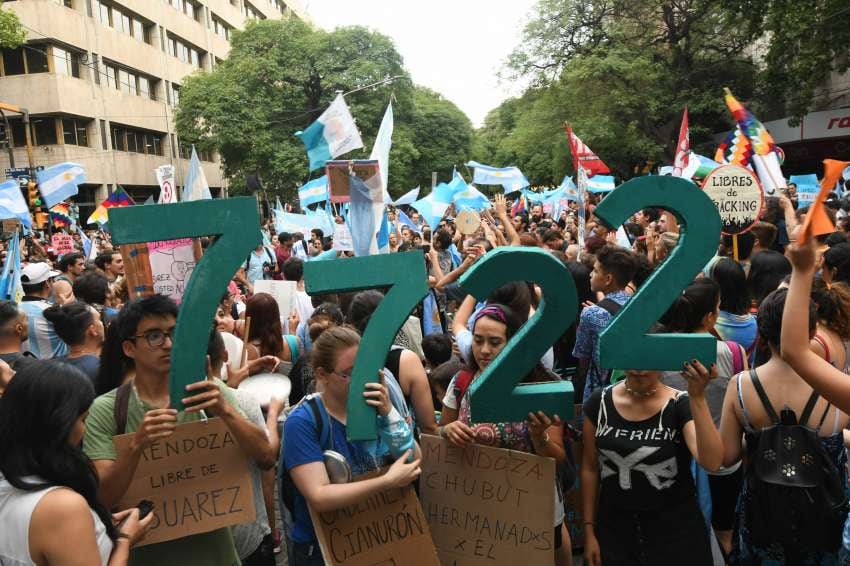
[795, 451]
[827, 380]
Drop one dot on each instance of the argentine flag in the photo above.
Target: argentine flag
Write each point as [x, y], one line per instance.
[12, 203]
[60, 182]
[313, 191]
[195, 186]
[332, 135]
[408, 198]
[406, 221]
[431, 209]
[470, 198]
[511, 178]
[600, 184]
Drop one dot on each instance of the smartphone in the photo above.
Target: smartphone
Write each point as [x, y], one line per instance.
[145, 507]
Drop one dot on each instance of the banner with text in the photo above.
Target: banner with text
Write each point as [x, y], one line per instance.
[385, 528]
[197, 478]
[488, 505]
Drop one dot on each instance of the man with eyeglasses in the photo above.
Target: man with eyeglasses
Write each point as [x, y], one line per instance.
[145, 330]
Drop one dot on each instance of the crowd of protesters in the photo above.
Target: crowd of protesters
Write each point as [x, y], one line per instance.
[742, 461]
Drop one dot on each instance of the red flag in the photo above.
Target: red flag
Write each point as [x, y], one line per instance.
[583, 155]
[683, 148]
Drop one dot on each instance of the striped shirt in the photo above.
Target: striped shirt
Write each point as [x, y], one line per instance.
[42, 339]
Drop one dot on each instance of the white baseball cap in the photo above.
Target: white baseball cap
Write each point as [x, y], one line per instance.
[36, 273]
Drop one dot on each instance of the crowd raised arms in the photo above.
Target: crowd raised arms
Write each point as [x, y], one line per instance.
[282, 395]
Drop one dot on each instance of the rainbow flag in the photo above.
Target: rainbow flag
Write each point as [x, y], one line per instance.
[761, 140]
[117, 199]
[521, 204]
[735, 149]
[60, 215]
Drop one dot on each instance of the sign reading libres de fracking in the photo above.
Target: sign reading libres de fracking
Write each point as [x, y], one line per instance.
[737, 195]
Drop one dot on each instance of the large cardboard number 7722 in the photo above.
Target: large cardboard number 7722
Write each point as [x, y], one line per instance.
[236, 224]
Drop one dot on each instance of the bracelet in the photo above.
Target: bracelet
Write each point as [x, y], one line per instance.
[122, 535]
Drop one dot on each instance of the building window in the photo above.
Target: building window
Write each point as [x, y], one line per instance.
[185, 52]
[75, 132]
[65, 62]
[220, 28]
[13, 61]
[44, 130]
[136, 140]
[130, 82]
[122, 20]
[252, 13]
[36, 56]
[175, 95]
[103, 142]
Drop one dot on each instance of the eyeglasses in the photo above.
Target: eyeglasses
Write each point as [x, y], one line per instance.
[156, 338]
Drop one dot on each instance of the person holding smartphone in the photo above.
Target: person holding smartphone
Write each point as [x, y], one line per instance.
[48, 488]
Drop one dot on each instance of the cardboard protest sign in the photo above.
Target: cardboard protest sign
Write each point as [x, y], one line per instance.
[137, 270]
[338, 176]
[62, 243]
[282, 291]
[737, 195]
[386, 528]
[342, 238]
[488, 505]
[172, 263]
[10, 225]
[197, 478]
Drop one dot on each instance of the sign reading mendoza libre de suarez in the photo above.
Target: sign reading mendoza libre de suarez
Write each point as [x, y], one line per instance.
[197, 478]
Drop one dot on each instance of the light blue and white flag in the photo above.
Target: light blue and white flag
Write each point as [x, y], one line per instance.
[533, 197]
[195, 186]
[89, 250]
[569, 188]
[10, 279]
[332, 135]
[408, 198]
[470, 199]
[381, 150]
[277, 204]
[366, 208]
[313, 191]
[431, 209]
[511, 178]
[384, 235]
[600, 183]
[60, 182]
[406, 221]
[303, 223]
[323, 222]
[12, 203]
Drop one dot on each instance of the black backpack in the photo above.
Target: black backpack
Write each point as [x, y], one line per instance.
[795, 495]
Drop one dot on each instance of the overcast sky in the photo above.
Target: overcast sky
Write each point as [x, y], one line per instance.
[455, 47]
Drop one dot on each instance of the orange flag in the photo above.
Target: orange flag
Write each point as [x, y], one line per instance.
[817, 222]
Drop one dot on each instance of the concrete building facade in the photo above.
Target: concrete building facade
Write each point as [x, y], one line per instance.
[101, 80]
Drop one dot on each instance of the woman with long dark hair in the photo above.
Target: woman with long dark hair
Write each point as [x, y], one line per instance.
[735, 322]
[48, 487]
[79, 325]
[493, 327]
[266, 336]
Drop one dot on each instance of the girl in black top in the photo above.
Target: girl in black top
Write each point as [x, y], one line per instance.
[639, 436]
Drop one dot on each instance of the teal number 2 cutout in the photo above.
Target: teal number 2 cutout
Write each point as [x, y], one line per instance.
[495, 395]
[236, 222]
[624, 344]
[406, 276]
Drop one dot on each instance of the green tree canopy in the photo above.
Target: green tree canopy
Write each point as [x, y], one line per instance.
[621, 72]
[12, 34]
[281, 75]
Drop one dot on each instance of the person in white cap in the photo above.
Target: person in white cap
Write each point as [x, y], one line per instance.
[42, 340]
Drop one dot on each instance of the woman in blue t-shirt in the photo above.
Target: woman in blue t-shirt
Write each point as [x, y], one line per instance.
[333, 358]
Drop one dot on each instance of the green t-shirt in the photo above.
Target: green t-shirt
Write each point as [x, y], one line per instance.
[214, 548]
